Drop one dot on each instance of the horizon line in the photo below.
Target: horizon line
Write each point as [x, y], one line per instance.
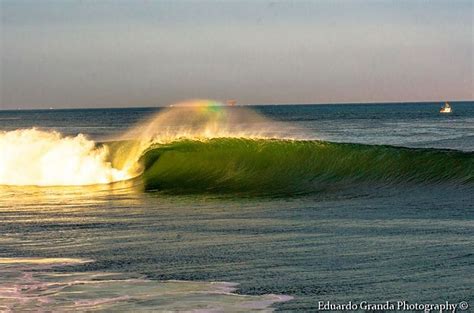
[244, 105]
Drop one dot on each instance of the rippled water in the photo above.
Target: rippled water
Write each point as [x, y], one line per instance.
[127, 249]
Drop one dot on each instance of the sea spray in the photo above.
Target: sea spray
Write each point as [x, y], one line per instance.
[47, 158]
[193, 120]
[206, 119]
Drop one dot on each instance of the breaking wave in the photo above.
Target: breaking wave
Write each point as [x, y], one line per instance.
[209, 148]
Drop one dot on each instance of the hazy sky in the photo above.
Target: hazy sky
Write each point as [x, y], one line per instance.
[149, 53]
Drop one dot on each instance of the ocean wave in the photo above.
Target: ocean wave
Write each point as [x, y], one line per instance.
[250, 165]
[202, 146]
[292, 166]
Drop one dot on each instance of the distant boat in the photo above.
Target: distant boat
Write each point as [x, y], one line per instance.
[446, 108]
[231, 102]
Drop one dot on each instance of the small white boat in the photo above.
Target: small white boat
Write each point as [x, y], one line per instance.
[446, 108]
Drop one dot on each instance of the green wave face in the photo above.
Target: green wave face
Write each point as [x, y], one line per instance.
[264, 166]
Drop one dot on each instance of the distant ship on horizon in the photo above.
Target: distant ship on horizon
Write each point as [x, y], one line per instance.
[231, 102]
[446, 108]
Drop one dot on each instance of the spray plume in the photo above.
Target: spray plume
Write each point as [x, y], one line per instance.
[45, 158]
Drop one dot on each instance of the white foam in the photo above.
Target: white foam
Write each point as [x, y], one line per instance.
[46, 158]
[24, 286]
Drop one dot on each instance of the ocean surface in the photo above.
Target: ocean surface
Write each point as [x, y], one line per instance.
[229, 209]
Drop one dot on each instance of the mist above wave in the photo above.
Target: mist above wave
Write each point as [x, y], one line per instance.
[47, 158]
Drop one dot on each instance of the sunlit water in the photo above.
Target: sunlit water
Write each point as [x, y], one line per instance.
[118, 247]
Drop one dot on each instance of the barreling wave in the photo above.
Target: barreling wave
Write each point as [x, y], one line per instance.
[290, 166]
[248, 165]
[202, 146]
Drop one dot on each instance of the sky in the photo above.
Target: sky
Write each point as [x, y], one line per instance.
[87, 53]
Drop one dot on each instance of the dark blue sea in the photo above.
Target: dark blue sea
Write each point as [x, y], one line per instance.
[232, 209]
